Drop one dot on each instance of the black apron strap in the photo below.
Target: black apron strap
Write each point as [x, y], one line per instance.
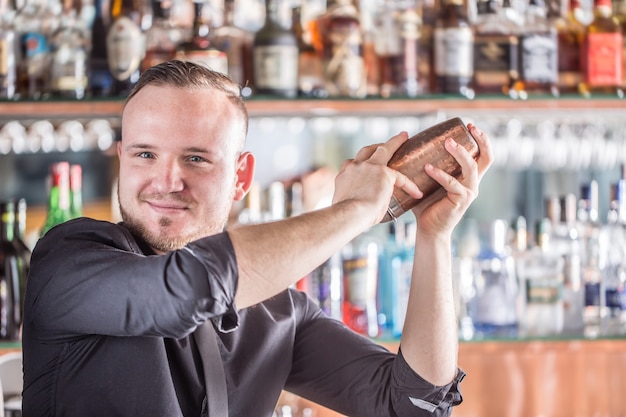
[214, 376]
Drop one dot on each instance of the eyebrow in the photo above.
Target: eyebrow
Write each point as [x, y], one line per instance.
[190, 149]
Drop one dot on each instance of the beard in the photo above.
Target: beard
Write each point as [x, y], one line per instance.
[163, 242]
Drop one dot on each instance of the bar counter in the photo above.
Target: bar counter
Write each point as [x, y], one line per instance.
[538, 378]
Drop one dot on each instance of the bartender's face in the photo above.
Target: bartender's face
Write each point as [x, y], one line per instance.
[181, 164]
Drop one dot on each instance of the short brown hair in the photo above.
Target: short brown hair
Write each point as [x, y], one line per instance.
[184, 74]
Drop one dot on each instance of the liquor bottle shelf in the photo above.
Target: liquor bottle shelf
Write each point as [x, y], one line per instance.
[258, 107]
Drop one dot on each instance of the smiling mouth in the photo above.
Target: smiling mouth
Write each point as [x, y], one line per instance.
[169, 207]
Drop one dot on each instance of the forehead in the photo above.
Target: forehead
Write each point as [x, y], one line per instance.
[183, 111]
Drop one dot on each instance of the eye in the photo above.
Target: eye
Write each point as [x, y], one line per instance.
[196, 158]
[146, 155]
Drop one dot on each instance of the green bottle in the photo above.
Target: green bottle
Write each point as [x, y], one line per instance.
[58, 196]
[11, 276]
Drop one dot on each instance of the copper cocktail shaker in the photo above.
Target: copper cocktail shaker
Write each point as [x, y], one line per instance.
[427, 147]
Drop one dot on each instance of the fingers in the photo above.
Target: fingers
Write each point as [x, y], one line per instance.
[381, 152]
[462, 190]
[472, 169]
[407, 185]
[486, 157]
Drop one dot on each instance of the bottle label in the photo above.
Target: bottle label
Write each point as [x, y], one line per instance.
[213, 59]
[615, 299]
[4, 57]
[360, 275]
[69, 83]
[69, 70]
[495, 60]
[454, 52]
[592, 294]
[359, 307]
[276, 67]
[8, 218]
[604, 59]
[33, 44]
[539, 57]
[545, 290]
[125, 48]
[35, 50]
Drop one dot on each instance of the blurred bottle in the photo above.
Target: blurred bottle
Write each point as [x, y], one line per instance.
[571, 36]
[567, 242]
[201, 48]
[162, 37]
[589, 227]
[542, 274]
[99, 76]
[19, 232]
[310, 68]
[76, 191]
[371, 60]
[33, 65]
[602, 54]
[276, 201]
[342, 50]
[539, 71]
[496, 46]
[12, 276]
[237, 43]
[325, 286]
[68, 49]
[466, 248]
[520, 247]
[613, 253]
[454, 50]
[512, 13]
[493, 309]
[58, 196]
[619, 10]
[428, 11]
[19, 239]
[252, 212]
[397, 47]
[360, 278]
[125, 45]
[295, 199]
[275, 56]
[8, 55]
[396, 266]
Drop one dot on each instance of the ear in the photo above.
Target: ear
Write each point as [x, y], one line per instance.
[119, 149]
[244, 175]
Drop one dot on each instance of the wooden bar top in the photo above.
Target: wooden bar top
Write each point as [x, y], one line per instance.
[565, 378]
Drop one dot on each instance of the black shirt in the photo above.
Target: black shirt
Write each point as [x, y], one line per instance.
[107, 329]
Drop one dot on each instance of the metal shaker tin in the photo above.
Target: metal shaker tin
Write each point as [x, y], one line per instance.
[427, 147]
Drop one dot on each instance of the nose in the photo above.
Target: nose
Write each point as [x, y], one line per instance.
[168, 178]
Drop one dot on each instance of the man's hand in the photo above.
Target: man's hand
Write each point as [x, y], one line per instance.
[367, 180]
[443, 214]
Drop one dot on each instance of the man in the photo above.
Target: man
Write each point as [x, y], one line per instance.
[113, 312]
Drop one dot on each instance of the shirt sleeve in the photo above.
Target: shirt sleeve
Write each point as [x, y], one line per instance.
[414, 396]
[352, 374]
[91, 277]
